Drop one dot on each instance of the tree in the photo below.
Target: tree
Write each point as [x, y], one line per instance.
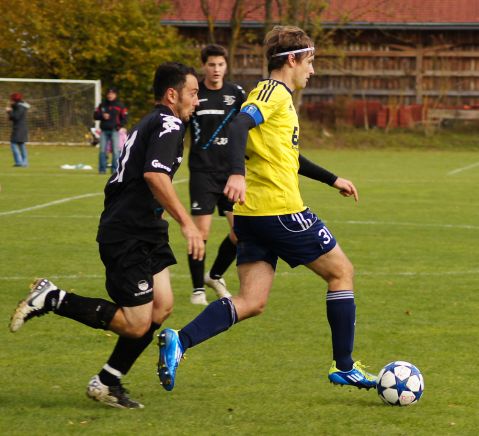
[240, 9]
[206, 9]
[119, 42]
[237, 16]
[302, 13]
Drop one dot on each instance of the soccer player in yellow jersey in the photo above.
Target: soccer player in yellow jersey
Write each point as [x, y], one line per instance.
[270, 219]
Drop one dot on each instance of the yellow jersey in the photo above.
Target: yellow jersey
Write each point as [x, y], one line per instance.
[272, 183]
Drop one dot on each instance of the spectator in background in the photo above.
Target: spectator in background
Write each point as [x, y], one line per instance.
[17, 113]
[113, 116]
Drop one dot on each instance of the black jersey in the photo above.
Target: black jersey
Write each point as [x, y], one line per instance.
[155, 144]
[209, 133]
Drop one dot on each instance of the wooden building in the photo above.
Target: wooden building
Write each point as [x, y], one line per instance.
[391, 51]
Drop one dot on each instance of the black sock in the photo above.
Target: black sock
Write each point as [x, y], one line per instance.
[341, 312]
[51, 300]
[93, 312]
[124, 355]
[197, 271]
[216, 318]
[226, 256]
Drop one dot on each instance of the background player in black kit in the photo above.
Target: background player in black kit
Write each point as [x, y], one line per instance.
[133, 239]
[219, 102]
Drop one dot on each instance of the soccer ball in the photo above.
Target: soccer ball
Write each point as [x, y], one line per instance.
[400, 384]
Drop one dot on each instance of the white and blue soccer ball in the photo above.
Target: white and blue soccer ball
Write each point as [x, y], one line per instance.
[400, 384]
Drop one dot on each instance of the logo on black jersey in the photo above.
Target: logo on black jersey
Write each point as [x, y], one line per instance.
[229, 100]
[155, 163]
[170, 123]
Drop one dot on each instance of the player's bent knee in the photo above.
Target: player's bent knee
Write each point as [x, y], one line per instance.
[136, 331]
[256, 309]
[343, 271]
[247, 309]
[162, 315]
[348, 270]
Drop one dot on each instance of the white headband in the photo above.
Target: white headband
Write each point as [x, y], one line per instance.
[301, 50]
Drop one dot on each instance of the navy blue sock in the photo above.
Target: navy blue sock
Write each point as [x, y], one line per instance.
[216, 318]
[341, 312]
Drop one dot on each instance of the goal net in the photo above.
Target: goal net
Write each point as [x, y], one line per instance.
[61, 111]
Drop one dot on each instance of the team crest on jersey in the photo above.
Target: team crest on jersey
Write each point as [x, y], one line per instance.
[170, 123]
[229, 100]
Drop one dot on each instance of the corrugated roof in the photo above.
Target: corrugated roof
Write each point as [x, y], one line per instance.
[351, 12]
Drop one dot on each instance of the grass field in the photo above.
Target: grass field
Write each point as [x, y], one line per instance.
[414, 240]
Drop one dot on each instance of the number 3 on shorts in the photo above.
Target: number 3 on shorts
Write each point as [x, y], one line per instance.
[325, 235]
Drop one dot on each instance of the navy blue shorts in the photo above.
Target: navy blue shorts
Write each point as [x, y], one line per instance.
[298, 238]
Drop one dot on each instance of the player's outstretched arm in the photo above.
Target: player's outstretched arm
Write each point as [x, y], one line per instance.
[311, 170]
[346, 188]
[162, 188]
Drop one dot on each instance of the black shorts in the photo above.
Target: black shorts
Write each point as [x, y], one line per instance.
[206, 192]
[130, 266]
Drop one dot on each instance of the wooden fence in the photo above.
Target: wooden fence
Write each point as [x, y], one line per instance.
[444, 74]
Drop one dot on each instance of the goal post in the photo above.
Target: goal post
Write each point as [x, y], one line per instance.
[61, 110]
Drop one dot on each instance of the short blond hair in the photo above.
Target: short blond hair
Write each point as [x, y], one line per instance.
[283, 39]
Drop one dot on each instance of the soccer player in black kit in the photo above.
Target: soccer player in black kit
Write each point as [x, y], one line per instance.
[133, 239]
[219, 102]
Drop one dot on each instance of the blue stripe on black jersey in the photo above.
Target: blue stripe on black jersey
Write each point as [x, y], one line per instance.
[267, 90]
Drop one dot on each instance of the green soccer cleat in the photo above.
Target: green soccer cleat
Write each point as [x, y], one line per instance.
[357, 376]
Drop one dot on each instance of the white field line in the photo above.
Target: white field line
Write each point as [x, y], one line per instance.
[301, 272]
[460, 170]
[352, 222]
[62, 200]
[51, 203]
[393, 223]
[406, 224]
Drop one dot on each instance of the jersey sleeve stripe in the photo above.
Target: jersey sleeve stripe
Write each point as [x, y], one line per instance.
[266, 92]
[268, 95]
[262, 92]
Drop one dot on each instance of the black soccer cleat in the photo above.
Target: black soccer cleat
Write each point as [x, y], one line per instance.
[113, 396]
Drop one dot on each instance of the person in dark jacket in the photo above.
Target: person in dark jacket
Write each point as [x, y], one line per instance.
[17, 113]
[113, 116]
